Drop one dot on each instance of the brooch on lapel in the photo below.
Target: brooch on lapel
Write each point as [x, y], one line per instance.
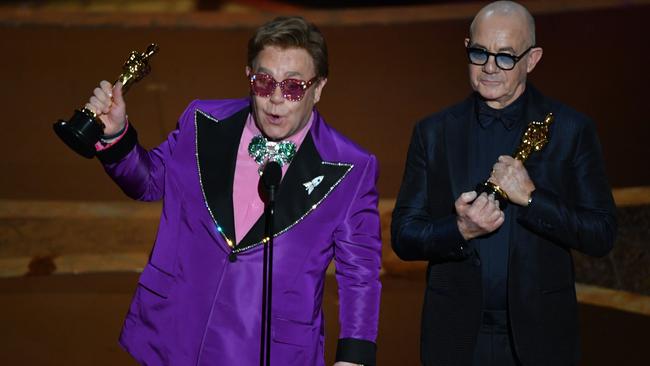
[309, 186]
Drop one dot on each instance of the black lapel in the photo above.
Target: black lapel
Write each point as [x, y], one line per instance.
[217, 143]
[537, 108]
[294, 201]
[458, 146]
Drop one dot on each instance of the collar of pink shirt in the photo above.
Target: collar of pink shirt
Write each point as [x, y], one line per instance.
[247, 204]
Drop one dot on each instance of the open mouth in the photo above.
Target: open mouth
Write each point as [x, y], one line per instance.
[273, 118]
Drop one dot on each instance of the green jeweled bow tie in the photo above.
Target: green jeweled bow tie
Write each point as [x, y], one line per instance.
[263, 150]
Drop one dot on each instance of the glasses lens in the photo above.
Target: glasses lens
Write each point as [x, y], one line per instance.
[262, 85]
[505, 61]
[477, 56]
[293, 89]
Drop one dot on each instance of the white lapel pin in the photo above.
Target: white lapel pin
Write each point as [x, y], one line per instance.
[309, 186]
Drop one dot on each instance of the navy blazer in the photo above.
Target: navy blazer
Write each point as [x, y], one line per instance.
[572, 208]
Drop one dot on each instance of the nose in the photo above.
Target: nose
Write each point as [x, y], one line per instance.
[276, 97]
[490, 66]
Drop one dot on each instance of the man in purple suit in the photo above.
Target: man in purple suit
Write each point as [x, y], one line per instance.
[199, 298]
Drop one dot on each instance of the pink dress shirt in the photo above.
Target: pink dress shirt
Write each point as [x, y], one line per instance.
[247, 204]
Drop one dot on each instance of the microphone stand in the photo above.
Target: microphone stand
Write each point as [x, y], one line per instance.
[271, 179]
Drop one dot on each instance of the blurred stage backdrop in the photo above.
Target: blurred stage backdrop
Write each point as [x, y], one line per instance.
[71, 243]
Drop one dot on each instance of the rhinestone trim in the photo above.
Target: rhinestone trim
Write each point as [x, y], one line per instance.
[313, 207]
[206, 115]
[198, 166]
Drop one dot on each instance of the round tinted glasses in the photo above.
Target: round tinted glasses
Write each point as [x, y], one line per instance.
[504, 61]
[263, 85]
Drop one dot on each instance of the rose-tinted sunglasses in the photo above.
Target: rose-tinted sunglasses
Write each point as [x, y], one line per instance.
[264, 85]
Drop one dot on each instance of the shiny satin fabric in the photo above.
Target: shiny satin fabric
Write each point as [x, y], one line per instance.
[198, 300]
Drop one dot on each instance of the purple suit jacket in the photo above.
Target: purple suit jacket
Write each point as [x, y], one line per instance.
[198, 300]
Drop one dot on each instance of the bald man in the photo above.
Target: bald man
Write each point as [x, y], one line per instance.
[500, 279]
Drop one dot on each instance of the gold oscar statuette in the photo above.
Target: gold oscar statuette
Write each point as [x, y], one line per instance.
[534, 139]
[84, 129]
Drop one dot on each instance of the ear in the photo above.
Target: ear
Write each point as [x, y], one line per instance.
[466, 42]
[248, 71]
[318, 89]
[533, 58]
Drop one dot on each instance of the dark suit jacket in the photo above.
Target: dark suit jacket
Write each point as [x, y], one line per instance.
[572, 208]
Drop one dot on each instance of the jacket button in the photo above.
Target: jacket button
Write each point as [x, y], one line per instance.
[232, 257]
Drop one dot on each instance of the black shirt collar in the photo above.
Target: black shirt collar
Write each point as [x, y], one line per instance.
[508, 116]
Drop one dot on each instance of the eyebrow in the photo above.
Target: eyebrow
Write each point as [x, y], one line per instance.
[502, 49]
[287, 74]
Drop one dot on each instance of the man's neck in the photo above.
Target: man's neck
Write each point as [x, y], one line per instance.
[501, 104]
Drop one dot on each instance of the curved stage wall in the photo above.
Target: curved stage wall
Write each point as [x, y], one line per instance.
[389, 68]
[385, 75]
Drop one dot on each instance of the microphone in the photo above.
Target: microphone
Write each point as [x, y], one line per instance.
[271, 177]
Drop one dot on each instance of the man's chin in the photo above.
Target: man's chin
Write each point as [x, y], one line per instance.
[274, 135]
[490, 94]
[271, 131]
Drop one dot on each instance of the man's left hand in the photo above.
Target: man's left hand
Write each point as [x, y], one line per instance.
[341, 363]
[511, 175]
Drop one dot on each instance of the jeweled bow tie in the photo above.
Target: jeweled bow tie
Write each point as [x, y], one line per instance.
[263, 150]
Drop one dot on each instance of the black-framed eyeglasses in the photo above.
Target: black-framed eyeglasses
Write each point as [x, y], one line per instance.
[504, 61]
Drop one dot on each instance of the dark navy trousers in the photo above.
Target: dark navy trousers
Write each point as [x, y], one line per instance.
[494, 342]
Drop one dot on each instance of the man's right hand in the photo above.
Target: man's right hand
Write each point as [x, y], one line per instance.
[477, 215]
[108, 104]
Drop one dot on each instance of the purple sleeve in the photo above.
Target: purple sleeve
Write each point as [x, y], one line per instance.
[358, 262]
[140, 173]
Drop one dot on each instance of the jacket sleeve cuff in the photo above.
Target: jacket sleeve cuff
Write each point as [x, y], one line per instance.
[357, 351]
[120, 149]
[540, 212]
[455, 246]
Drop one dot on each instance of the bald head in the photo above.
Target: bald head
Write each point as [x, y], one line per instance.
[509, 9]
[502, 30]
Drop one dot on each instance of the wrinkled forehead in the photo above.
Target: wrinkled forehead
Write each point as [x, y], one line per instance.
[284, 61]
[500, 32]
